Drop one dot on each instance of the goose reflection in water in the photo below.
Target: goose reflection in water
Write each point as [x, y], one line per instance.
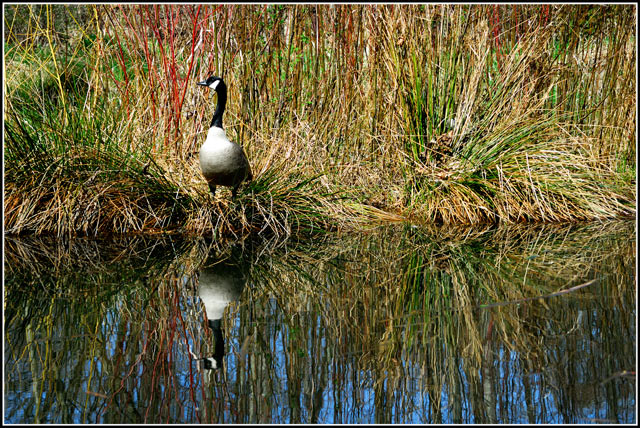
[220, 283]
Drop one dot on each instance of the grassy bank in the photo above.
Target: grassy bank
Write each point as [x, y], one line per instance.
[348, 114]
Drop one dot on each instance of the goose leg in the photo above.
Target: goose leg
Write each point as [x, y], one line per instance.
[212, 187]
[234, 191]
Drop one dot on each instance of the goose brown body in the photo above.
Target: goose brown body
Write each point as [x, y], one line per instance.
[223, 163]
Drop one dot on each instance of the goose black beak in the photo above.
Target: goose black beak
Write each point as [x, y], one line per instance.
[203, 83]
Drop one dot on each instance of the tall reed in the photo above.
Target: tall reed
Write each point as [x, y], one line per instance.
[451, 113]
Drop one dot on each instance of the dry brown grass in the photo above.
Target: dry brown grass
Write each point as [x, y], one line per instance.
[345, 113]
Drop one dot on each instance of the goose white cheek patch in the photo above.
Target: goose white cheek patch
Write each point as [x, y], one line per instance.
[214, 85]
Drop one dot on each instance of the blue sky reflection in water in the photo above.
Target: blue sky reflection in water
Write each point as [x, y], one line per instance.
[390, 326]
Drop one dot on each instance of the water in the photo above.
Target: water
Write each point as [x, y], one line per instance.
[397, 325]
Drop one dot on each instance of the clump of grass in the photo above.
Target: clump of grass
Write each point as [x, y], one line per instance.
[79, 181]
[71, 180]
[494, 131]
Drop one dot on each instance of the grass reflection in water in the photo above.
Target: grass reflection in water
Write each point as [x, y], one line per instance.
[396, 325]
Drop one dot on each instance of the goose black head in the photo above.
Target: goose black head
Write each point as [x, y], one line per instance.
[214, 82]
[217, 84]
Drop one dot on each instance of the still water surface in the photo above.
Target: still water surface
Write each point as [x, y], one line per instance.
[525, 324]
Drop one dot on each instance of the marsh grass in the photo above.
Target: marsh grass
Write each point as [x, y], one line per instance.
[349, 114]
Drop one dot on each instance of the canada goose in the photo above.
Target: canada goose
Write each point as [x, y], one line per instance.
[223, 163]
[219, 285]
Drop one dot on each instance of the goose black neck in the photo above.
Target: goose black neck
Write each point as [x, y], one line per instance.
[222, 102]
